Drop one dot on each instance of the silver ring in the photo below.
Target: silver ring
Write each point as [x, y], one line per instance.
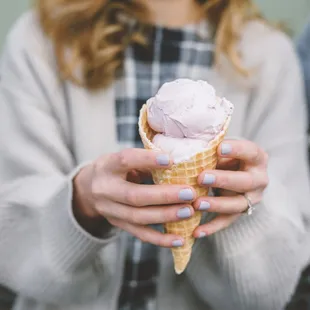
[250, 208]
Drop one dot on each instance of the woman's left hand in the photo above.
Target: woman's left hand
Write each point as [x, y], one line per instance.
[242, 169]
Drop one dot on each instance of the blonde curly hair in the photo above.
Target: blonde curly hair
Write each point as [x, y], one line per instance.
[97, 32]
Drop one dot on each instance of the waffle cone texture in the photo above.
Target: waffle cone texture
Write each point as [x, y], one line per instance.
[182, 173]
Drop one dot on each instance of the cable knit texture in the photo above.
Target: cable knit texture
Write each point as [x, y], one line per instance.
[48, 128]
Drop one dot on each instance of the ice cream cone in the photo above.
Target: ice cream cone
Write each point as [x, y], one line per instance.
[182, 173]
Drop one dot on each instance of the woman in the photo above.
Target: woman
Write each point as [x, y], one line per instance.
[73, 77]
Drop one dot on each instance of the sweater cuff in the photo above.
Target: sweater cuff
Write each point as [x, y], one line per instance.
[69, 245]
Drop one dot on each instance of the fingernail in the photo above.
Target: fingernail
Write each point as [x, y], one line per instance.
[208, 179]
[204, 205]
[184, 213]
[163, 160]
[226, 149]
[202, 234]
[186, 194]
[177, 243]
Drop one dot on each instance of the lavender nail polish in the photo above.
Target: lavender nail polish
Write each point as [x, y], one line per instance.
[208, 179]
[204, 205]
[163, 160]
[186, 194]
[226, 149]
[177, 243]
[184, 213]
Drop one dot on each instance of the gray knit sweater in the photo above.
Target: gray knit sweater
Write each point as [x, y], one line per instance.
[49, 128]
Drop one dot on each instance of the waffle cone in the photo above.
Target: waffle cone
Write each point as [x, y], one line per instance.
[182, 173]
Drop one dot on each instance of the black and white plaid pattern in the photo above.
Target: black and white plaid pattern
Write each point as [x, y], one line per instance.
[171, 54]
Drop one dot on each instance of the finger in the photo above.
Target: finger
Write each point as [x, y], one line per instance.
[228, 205]
[237, 181]
[244, 150]
[147, 195]
[139, 159]
[149, 235]
[228, 164]
[138, 195]
[217, 224]
[148, 215]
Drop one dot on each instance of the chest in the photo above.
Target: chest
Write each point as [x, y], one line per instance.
[91, 129]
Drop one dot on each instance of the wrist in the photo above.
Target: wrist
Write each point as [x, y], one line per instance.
[83, 207]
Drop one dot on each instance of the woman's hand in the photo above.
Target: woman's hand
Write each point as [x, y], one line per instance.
[242, 169]
[104, 190]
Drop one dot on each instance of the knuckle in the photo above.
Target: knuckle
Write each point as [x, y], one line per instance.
[114, 156]
[261, 180]
[222, 181]
[99, 189]
[159, 240]
[217, 204]
[166, 196]
[97, 166]
[162, 241]
[148, 156]
[244, 148]
[238, 148]
[134, 217]
[256, 154]
[160, 216]
[133, 198]
[210, 229]
[153, 196]
[250, 183]
[150, 236]
[123, 158]
[167, 214]
[96, 189]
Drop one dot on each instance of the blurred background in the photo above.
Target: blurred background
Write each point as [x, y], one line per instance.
[292, 14]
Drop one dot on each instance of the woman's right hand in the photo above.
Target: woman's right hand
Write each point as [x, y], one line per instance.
[102, 191]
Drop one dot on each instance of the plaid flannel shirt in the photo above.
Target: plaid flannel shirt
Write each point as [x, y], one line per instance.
[171, 54]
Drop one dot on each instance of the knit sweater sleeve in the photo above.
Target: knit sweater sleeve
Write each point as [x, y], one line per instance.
[256, 262]
[45, 254]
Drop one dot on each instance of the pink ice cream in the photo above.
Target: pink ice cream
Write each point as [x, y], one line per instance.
[187, 115]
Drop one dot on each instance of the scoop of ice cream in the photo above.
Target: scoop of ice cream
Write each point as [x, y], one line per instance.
[180, 149]
[187, 115]
[188, 109]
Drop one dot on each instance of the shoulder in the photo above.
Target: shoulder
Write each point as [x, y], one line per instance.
[28, 64]
[28, 54]
[262, 44]
[25, 30]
